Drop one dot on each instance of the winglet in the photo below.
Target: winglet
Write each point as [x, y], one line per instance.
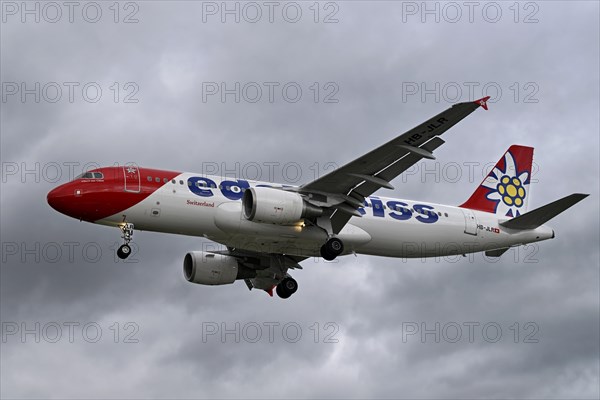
[483, 102]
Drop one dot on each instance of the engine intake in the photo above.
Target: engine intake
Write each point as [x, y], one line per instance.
[275, 206]
[214, 269]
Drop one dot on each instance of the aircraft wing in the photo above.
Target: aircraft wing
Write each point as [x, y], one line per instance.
[345, 189]
[269, 268]
[259, 261]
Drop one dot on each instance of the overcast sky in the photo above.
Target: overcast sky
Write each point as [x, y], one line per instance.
[295, 88]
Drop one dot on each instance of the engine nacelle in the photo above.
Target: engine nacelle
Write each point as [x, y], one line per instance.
[210, 268]
[274, 206]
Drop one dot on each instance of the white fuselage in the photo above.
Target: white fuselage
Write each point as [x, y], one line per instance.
[389, 227]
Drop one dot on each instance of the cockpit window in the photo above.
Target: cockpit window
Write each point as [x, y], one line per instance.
[90, 175]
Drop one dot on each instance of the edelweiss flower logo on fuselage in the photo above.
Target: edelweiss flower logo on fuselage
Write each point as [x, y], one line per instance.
[508, 188]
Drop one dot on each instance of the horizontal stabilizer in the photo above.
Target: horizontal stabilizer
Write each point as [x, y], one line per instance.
[496, 253]
[539, 216]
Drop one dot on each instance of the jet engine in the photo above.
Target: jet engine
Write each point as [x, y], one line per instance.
[214, 269]
[274, 206]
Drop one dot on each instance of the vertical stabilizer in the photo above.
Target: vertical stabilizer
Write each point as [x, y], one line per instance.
[505, 190]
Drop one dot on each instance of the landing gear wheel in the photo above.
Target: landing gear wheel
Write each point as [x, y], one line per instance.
[127, 234]
[332, 248]
[124, 251]
[286, 288]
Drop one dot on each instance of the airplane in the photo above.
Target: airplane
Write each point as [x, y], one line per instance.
[268, 229]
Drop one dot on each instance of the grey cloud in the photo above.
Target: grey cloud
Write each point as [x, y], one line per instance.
[369, 55]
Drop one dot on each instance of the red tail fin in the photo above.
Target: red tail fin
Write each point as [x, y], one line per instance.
[505, 190]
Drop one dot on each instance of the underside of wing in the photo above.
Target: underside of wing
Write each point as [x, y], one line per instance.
[258, 261]
[265, 271]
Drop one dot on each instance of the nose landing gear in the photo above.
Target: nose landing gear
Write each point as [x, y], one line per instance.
[127, 234]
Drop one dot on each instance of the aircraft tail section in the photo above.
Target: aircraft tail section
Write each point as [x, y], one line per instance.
[540, 216]
[505, 190]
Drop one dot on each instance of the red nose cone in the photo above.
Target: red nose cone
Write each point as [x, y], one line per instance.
[60, 200]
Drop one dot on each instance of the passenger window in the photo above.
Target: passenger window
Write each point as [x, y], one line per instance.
[173, 181]
[181, 182]
[445, 214]
[149, 179]
[165, 180]
[157, 179]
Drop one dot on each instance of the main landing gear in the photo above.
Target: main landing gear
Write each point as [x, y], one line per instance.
[332, 248]
[127, 234]
[286, 287]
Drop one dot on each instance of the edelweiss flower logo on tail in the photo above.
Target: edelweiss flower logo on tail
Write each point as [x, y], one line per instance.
[505, 189]
[509, 187]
